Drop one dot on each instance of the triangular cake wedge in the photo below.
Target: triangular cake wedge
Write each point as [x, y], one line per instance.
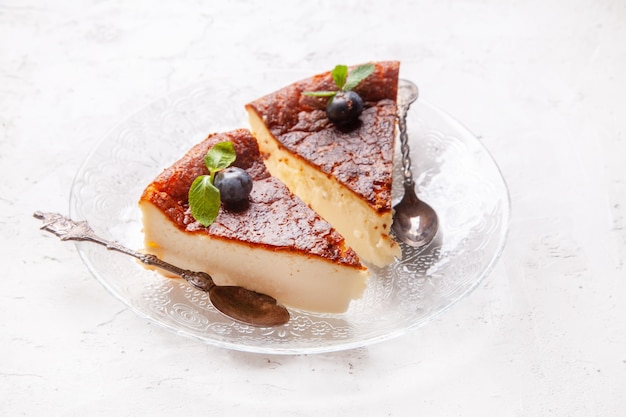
[276, 245]
[345, 175]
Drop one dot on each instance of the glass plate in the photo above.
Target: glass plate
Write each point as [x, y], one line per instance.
[454, 173]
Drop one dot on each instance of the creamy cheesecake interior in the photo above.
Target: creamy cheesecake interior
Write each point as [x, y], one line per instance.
[365, 231]
[296, 280]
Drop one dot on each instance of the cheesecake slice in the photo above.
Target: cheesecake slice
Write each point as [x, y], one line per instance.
[345, 175]
[274, 245]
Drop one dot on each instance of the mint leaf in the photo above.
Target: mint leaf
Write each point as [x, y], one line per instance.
[340, 73]
[319, 93]
[204, 197]
[220, 156]
[357, 75]
[204, 200]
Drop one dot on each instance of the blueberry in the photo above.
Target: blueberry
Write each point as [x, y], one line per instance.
[344, 108]
[234, 184]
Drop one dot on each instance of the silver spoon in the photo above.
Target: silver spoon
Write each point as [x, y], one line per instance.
[415, 222]
[236, 302]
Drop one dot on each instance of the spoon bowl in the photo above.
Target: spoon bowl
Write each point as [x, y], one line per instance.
[415, 222]
[248, 306]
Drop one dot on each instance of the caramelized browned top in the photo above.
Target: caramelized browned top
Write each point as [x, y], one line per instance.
[274, 218]
[361, 157]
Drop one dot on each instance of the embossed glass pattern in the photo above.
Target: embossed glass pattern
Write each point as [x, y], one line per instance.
[453, 171]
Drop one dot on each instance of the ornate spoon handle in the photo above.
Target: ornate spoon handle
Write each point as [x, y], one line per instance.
[407, 94]
[68, 229]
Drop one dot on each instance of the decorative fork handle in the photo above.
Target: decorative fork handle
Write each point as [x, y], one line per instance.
[68, 229]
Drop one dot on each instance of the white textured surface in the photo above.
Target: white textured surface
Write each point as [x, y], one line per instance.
[541, 82]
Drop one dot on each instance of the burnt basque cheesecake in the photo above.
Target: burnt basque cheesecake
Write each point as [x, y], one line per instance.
[344, 174]
[275, 244]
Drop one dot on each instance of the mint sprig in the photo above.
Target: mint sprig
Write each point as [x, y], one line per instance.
[344, 80]
[204, 197]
